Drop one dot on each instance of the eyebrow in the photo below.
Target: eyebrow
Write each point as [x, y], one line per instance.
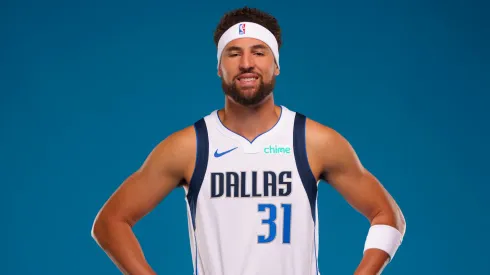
[259, 46]
[233, 48]
[254, 47]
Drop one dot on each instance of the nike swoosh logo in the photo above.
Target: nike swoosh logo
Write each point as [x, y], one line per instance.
[217, 155]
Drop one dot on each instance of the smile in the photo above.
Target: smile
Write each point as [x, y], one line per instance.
[247, 81]
[248, 78]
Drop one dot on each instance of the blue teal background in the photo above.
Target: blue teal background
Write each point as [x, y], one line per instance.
[89, 87]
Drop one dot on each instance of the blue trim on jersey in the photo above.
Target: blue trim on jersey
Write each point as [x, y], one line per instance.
[304, 170]
[301, 157]
[202, 154]
[277, 122]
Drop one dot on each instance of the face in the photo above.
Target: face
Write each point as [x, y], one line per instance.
[247, 70]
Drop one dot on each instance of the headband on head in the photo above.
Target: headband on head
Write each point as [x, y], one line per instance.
[249, 30]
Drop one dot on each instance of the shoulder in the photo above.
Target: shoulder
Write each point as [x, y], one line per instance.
[183, 143]
[326, 148]
[316, 133]
[322, 136]
[179, 143]
[175, 154]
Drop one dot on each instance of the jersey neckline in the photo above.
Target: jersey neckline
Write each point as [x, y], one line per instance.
[225, 130]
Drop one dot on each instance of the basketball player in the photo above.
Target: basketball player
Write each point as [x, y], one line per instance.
[250, 172]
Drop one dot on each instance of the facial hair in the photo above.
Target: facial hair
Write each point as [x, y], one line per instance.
[264, 90]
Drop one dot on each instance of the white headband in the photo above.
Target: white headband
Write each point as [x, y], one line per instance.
[250, 30]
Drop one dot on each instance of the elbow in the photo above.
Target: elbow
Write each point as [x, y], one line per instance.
[392, 216]
[99, 229]
[105, 227]
[397, 220]
[96, 229]
[401, 224]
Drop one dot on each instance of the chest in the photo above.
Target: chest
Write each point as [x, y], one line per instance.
[233, 173]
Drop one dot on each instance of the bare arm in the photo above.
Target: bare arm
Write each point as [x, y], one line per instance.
[170, 163]
[334, 159]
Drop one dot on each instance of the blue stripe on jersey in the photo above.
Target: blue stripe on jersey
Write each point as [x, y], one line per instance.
[202, 153]
[301, 157]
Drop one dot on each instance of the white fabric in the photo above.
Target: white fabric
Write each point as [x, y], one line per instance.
[384, 237]
[225, 241]
[249, 30]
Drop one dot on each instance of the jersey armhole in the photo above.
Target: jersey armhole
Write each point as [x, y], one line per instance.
[302, 164]
[200, 167]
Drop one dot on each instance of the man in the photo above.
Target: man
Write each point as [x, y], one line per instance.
[250, 172]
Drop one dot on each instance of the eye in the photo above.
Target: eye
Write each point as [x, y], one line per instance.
[259, 53]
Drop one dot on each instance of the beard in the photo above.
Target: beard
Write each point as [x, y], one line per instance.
[246, 98]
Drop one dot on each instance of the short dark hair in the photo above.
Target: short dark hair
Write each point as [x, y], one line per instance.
[250, 15]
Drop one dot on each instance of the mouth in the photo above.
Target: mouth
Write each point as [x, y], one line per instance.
[247, 79]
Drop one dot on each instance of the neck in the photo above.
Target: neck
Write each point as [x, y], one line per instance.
[250, 121]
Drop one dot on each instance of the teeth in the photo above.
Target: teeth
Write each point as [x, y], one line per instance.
[248, 79]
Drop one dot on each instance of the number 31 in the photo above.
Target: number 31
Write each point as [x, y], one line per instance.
[271, 221]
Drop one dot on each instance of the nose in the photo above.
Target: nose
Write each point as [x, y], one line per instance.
[246, 61]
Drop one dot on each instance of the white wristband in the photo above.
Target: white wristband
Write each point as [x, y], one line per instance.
[384, 237]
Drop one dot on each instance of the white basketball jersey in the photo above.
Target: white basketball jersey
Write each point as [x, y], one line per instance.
[252, 205]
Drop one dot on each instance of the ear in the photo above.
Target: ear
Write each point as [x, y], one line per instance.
[220, 73]
[276, 71]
